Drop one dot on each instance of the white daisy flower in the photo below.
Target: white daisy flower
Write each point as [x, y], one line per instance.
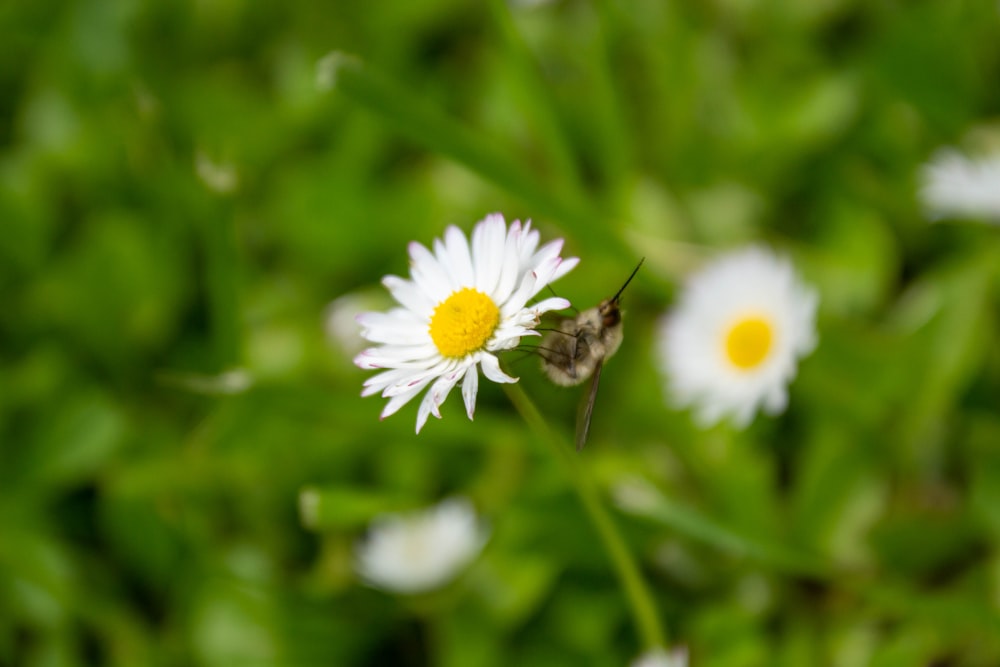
[422, 551]
[461, 306]
[660, 658]
[340, 321]
[733, 340]
[953, 185]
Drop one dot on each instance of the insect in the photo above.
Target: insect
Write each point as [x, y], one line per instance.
[578, 347]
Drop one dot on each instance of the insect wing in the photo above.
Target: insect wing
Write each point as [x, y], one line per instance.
[587, 407]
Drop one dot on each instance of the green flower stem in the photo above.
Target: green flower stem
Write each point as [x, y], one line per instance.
[639, 597]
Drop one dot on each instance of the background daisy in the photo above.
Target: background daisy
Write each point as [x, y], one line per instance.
[733, 341]
[461, 306]
[953, 185]
[414, 553]
[661, 658]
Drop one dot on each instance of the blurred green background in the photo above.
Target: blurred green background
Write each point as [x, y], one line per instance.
[179, 203]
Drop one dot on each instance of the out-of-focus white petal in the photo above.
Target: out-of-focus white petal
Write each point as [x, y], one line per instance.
[420, 551]
[736, 298]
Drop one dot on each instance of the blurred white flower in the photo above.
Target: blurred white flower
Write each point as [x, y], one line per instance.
[461, 306]
[953, 185]
[418, 552]
[340, 322]
[231, 382]
[660, 658]
[732, 342]
[221, 178]
[635, 494]
[528, 4]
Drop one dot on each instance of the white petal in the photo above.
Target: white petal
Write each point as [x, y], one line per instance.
[429, 275]
[528, 243]
[435, 396]
[776, 401]
[510, 269]
[459, 263]
[491, 369]
[544, 272]
[568, 264]
[439, 390]
[398, 401]
[547, 252]
[551, 303]
[397, 356]
[408, 294]
[520, 296]
[488, 243]
[470, 386]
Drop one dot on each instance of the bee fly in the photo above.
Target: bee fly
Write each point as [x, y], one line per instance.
[577, 348]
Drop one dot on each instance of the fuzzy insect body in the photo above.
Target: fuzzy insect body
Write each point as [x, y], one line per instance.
[576, 349]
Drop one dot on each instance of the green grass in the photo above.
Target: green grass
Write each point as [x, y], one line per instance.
[149, 512]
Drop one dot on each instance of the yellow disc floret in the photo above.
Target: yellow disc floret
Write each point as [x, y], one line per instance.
[748, 342]
[463, 322]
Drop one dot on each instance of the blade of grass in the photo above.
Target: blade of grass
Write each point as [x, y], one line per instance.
[410, 115]
[902, 599]
[550, 131]
[636, 591]
[643, 499]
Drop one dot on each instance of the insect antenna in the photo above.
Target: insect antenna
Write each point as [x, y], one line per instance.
[618, 294]
[571, 306]
[546, 353]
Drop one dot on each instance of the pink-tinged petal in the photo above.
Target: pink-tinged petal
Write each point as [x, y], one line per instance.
[424, 411]
[544, 272]
[491, 369]
[398, 401]
[470, 386]
[386, 378]
[366, 359]
[439, 390]
[546, 253]
[528, 243]
[568, 264]
[395, 381]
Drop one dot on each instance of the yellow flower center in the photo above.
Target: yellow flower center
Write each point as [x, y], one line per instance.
[748, 342]
[463, 322]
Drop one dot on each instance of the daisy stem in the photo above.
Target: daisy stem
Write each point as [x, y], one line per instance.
[639, 597]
